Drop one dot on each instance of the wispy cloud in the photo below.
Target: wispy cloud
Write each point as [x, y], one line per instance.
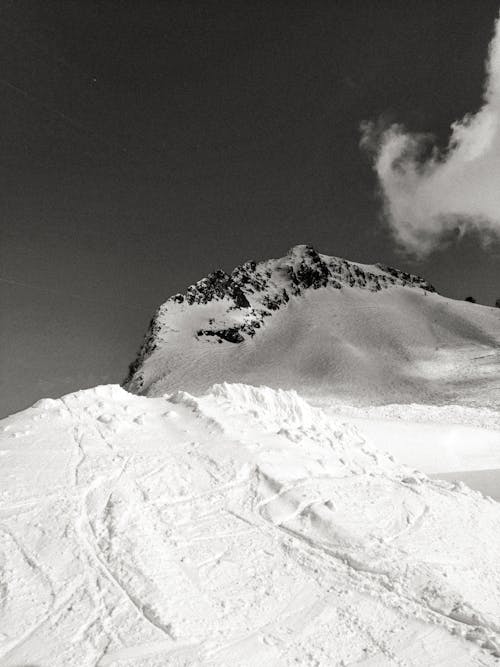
[429, 194]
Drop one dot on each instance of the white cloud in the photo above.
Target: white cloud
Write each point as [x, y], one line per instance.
[429, 195]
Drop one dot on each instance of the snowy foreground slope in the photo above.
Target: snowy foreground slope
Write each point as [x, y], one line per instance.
[327, 327]
[241, 527]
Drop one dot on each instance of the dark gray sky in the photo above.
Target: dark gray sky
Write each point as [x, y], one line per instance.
[144, 144]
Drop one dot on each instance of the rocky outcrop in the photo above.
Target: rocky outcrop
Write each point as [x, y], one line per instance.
[253, 291]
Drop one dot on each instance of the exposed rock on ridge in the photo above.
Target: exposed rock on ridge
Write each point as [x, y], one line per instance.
[254, 290]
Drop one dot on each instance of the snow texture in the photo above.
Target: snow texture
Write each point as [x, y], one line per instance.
[241, 527]
[231, 510]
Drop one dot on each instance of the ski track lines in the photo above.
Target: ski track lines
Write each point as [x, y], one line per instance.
[243, 527]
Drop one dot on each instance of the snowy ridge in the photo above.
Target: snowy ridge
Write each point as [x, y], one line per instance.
[239, 527]
[253, 291]
[364, 335]
[268, 406]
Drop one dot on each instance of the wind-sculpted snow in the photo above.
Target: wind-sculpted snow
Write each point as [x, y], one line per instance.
[239, 527]
[364, 334]
[271, 407]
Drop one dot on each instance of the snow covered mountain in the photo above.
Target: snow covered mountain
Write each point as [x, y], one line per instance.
[215, 522]
[364, 334]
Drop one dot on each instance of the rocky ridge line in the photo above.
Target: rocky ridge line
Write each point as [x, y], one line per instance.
[259, 288]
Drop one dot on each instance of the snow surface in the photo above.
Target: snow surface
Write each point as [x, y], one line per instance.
[432, 438]
[241, 527]
[222, 519]
[417, 372]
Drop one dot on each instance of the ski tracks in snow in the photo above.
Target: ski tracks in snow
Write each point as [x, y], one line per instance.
[240, 528]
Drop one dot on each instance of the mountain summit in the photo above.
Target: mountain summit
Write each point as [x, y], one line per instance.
[324, 324]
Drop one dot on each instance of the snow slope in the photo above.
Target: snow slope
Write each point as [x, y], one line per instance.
[241, 527]
[358, 334]
[435, 439]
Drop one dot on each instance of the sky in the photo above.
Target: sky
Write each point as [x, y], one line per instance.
[433, 194]
[145, 144]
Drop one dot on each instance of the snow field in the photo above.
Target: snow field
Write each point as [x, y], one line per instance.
[240, 527]
[435, 439]
[400, 345]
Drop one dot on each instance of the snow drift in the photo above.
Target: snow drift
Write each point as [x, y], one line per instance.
[239, 527]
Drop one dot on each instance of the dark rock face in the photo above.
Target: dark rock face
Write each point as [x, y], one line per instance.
[275, 302]
[256, 290]
[217, 285]
[232, 335]
[312, 271]
[408, 278]
[148, 346]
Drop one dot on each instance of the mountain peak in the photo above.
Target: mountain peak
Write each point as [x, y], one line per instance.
[232, 307]
[301, 251]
